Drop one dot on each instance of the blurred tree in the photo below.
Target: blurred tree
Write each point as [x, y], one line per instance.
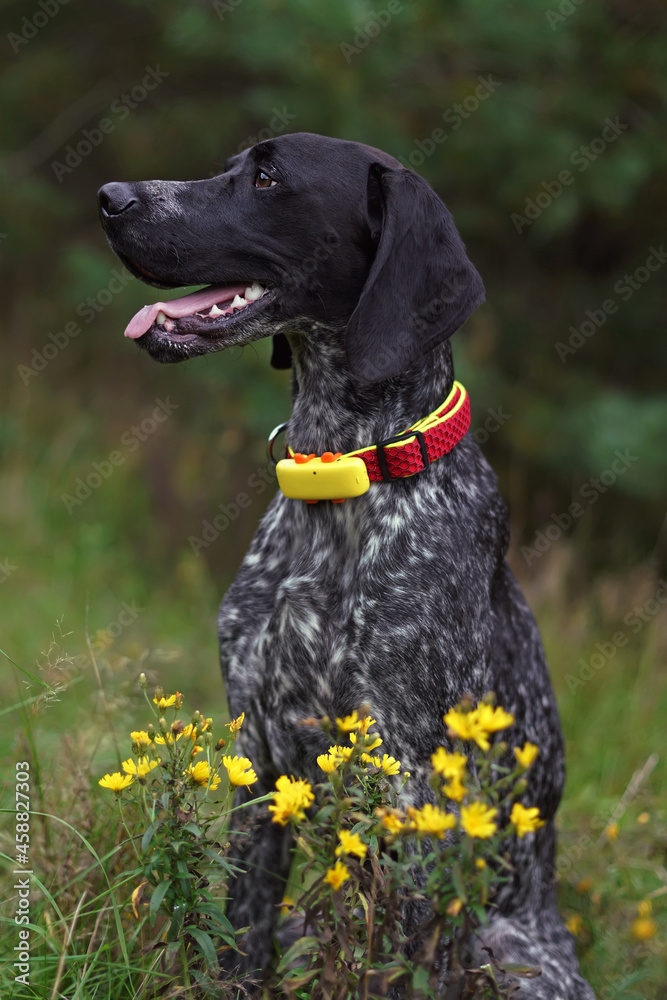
[542, 127]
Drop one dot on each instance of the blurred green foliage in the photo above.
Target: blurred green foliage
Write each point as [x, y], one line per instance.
[491, 102]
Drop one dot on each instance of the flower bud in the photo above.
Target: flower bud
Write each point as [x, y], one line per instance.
[520, 786]
[195, 718]
[159, 693]
[151, 731]
[220, 744]
[208, 738]
[177, 726]
[143, 683]
[162, 722]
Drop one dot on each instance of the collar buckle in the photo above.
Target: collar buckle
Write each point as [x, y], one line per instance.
[272, 437]
[382, 458]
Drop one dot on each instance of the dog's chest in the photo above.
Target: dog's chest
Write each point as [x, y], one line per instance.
[336, 610]
[289, 625]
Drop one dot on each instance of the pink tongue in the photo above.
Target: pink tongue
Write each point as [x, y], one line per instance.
[186, 306]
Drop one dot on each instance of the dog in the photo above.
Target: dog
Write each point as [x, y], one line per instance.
[399, 598]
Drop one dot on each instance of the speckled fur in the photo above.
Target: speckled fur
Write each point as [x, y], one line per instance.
[400, 599]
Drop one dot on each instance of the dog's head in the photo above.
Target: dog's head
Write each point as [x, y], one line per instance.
[298, 230]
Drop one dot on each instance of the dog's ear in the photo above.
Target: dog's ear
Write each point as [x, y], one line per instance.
[421, 286]
[281, 354]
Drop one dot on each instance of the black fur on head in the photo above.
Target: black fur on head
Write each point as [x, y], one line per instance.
[335, 233]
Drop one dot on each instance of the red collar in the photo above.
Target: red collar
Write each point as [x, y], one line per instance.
[338, 477]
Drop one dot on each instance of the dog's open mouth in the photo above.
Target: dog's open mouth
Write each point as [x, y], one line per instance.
[206, 313]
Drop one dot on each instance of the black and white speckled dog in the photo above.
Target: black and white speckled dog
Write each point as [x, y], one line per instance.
[401, 598]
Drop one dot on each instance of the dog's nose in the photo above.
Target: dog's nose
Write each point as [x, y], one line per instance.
[114, 199]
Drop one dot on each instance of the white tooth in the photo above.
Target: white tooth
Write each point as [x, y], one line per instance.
[255, 291]
[215, 311]
[161, 317]
[238, 302]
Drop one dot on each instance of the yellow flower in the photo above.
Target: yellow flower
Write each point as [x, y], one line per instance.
[455, 790]
[365, 724]
[386, 763]
[334, 758]
[449, 765]
[329, 762]
[349, 723]
[644, 818]
[369, 742]
[337, 875]
[644, 928]
[480, 864]
[455, 907]
[453, 767]
[477, 725]
[390, 821]
[163, 740]
[350, 843]
[166, 701]
[466, 725]
[389, 764]
[116, 781]
[575, 925]
[141, 768]
[430, 819]
[526, 755]
[141, 738]
[477, 820]
[612, 831]
[493, 719]
[201, 773]
[525, 820]
[236, 724]
[290, 800]
[239, 770]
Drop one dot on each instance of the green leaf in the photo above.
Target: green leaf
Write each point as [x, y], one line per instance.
[304, 946]
[148, 835]
[217, 917]
[193, 829]
[157, 896]
[204, 944]
[177, 919]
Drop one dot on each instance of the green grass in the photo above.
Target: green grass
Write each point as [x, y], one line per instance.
[73, 568]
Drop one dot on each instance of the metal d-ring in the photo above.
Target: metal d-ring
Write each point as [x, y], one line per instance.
[272, 437]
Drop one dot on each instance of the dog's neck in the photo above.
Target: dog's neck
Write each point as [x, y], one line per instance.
[333, 411]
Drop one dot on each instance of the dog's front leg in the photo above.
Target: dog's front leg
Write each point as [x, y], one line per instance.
[263, 850]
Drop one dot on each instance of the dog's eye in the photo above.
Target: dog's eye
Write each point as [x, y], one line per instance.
[263, 180]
